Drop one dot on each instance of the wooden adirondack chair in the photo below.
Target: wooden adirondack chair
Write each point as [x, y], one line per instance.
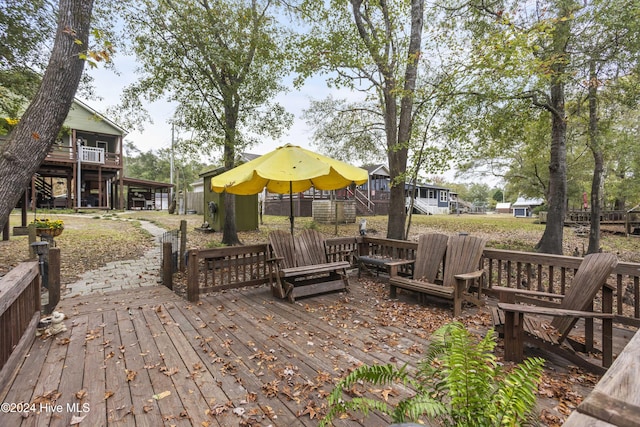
[461, 267]
[577, 303]
[300, 268]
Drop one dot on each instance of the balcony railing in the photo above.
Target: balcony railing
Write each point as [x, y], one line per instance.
[92, 155]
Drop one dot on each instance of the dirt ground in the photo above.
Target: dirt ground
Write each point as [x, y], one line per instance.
[92, 240]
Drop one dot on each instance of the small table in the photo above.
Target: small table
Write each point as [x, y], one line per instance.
[379, 262]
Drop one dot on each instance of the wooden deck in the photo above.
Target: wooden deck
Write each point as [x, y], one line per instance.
[147, 357]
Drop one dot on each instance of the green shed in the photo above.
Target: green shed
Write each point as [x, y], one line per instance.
[246, 206]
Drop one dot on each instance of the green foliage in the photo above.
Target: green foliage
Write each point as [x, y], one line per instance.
[459, 383]
[220, 61]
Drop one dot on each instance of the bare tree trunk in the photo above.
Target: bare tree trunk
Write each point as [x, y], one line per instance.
[598, 158]
[33, 136]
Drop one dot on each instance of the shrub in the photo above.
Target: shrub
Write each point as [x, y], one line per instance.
[459, 383]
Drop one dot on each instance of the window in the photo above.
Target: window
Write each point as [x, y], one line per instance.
[444, 196]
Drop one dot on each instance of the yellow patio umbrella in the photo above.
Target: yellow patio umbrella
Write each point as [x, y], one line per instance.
[286, 170]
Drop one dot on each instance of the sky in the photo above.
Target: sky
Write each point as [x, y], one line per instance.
[109, 87]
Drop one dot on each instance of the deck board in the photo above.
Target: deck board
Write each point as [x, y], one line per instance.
[94, 371]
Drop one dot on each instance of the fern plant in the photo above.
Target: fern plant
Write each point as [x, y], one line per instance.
[459, 383]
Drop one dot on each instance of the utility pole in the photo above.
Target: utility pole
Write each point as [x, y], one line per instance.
[171, 163]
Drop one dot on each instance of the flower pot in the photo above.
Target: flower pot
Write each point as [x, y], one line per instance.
[51, 232]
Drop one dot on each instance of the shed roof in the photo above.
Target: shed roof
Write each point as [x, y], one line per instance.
[522, 202]
[145, 183]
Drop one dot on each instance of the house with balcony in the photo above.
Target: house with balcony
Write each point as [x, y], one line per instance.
[85, 169]
[86, 160]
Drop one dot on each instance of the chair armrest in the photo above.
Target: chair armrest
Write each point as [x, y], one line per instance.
[401, 262]
[393, 265]
[533, 309]
[526, 292]
[274, 259]
[470, 276]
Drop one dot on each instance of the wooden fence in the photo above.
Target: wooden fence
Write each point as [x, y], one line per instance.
[235, 267]
[19, 315]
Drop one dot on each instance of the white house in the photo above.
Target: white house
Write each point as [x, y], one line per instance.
[523, 208]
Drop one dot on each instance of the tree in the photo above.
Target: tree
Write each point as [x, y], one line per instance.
[369, 43]
[519, 59]
[156, 165]
[30, 141]
[221, 61]
[607, 51]
[347, 131]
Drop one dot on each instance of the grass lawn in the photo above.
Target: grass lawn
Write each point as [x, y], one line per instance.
[93, 238]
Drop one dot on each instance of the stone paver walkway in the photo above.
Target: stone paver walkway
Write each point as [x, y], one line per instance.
[118, 275]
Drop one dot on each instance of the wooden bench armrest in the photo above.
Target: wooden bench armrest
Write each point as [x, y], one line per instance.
[401, 262]
[470, 276]
[526, 292]
[275, 259]
[533, 309]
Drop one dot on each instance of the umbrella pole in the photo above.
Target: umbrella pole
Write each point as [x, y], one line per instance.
[291, 205]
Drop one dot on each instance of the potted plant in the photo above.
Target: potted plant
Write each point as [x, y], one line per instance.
[49, 227]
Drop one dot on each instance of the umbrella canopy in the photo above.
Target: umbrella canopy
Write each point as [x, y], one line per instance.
[286, 170]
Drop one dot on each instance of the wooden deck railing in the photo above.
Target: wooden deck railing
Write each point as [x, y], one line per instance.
[552, 273]
[237, 267]
[218, 269]
[19, 315]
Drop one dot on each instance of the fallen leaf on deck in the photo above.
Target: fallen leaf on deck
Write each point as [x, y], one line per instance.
[77, 419]
[131, 375]
[161, 395]
[169, 371]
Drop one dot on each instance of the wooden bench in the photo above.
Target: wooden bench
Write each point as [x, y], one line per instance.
[299, 266]
[461, 267]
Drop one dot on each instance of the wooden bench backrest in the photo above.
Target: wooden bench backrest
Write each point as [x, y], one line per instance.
[282, 246]
[462, 256]
[429, 256]
[588, 280]
[310, 248]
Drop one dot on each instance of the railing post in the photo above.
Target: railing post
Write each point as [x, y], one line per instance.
[607, 327]
[167, 265]
[32, 238]
[183, 244]
[54, 280]
[193, 291]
